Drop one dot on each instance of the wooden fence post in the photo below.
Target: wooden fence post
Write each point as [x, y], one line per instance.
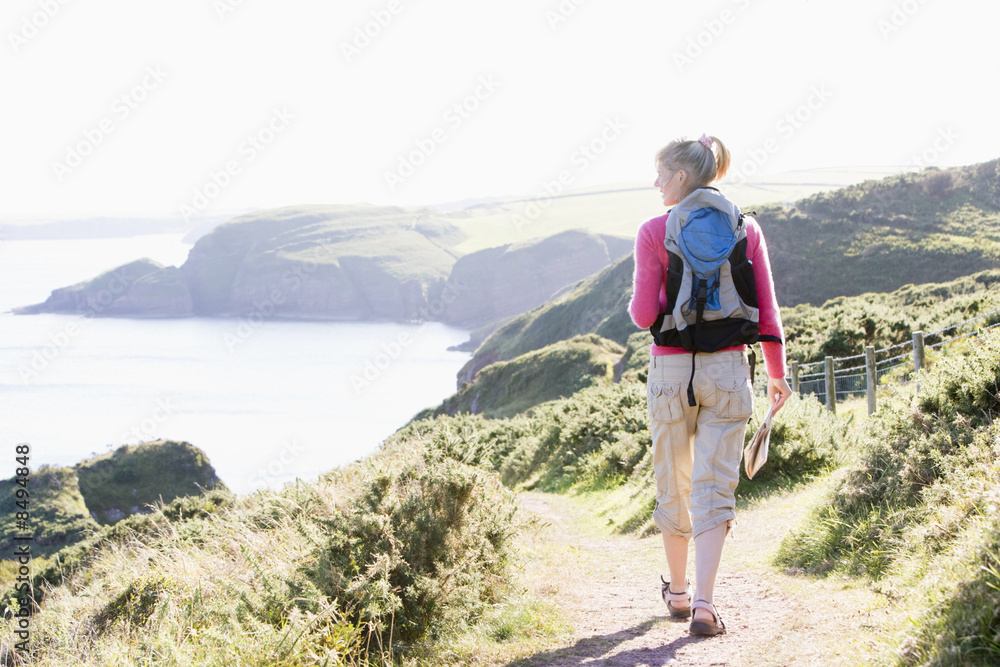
[871, 377]
[831, 386]
[918, 354]
[795, 376]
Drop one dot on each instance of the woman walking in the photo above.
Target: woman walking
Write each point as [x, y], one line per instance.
[700, 401]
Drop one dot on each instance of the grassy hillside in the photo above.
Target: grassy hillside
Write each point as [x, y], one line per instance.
[934, 226]
[66, 504]
[843, 326]
[918, 512]
[506, 388]
[97, 295]
[599, 438]
[332, 260]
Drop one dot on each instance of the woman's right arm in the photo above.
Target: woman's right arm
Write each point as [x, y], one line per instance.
[647, 281]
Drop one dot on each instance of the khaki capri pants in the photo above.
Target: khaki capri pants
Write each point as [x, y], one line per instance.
[697, 450]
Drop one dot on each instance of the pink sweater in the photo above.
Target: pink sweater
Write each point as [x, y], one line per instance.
[649, 295]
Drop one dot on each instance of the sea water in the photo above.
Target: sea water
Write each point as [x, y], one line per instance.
[267, 400]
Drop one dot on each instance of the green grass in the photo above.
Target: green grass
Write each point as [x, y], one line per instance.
[916, 512]
[595, 305]
[875, 236]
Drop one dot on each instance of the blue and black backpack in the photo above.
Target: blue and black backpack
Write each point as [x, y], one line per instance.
[711, 290]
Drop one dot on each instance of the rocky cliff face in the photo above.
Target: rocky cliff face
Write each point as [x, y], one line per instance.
[162, 293]
[142, 288]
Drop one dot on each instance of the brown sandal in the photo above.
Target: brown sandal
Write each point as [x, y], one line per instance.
[707, 629]
[678, 604]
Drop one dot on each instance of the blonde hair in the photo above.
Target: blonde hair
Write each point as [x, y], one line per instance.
[703, 164]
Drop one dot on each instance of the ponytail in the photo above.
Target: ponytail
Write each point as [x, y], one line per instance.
[705, 160]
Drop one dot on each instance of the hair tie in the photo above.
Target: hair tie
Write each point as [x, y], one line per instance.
[706, 141]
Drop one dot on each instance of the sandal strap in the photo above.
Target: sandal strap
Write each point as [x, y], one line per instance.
[707, 606]
[684, 596]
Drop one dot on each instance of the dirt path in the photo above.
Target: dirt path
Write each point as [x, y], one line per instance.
[608, 587]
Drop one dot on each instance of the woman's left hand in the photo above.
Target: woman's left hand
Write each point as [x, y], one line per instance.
[778, 392]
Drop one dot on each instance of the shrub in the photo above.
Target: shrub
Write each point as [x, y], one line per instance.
[420, 546]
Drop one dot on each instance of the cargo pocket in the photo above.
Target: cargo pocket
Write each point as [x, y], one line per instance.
[664, 402]
[734, 399]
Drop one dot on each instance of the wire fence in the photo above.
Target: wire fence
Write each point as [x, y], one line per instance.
[860, 375]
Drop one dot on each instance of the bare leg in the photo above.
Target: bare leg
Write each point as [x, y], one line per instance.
[707, 556]
[676, 548]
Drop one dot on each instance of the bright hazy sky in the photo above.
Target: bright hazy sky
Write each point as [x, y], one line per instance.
[116, 107]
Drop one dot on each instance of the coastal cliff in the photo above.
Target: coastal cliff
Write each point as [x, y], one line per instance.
[343, 263]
